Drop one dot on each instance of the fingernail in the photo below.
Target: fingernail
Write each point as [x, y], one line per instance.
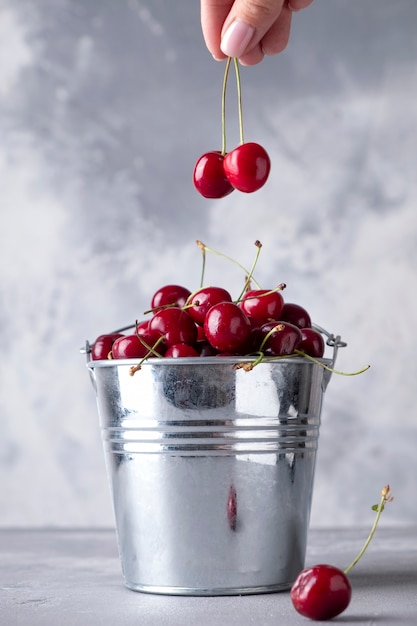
[236, 38]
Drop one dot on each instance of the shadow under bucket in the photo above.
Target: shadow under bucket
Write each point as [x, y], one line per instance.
[211, 470]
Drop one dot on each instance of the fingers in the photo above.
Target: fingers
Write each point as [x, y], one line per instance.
[248, 29]
[274, 41]
[213, 15]
[297, 5]
[246, 25]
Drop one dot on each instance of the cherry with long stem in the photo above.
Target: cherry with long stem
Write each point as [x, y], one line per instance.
[246, 168]
[323, 591]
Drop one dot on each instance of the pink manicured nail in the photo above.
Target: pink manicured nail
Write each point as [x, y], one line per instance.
[236, 38]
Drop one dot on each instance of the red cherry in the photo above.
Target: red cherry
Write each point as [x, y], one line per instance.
[206, 349]
[103, 345]
[201, 335]
[203, 299]
[142, 327]
[283, 340]
[175, 325]
[312, 342]
[247, 167]
[209, 177]
[255, 338]
[172, 295]
[262, 307]
[149, 336]
[181, 350]
[321, 592]
[227, 327]
[129, 347]
[295, 314]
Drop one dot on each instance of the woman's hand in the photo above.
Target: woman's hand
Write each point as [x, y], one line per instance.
[247, 29]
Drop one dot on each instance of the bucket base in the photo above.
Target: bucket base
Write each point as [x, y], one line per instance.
[190, 591]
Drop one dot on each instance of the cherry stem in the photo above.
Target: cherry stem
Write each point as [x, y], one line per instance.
[248, 366]
[239, 100]
[276, 328]
[297, 353]
[280, 287]
[151, 351]
[330, 369]
[160, 307]
[203, 267]
[205, 248]
[252, 269]
[226, 73]
[385, 497]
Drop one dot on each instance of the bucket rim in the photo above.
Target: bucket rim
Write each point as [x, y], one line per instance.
[207, 360]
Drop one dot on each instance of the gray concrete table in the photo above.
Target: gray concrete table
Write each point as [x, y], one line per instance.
[73, 577]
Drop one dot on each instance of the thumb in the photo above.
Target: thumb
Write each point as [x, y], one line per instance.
[247, 23]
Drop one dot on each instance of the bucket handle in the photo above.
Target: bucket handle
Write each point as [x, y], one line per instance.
[335, 342]
[86, 349]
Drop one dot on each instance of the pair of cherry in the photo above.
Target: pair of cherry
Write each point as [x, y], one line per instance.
[245, 168]
[217, 173]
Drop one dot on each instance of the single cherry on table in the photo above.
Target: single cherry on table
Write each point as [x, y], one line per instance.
[323, 591]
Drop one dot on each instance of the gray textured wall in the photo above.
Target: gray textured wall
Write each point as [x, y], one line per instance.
[105, 107]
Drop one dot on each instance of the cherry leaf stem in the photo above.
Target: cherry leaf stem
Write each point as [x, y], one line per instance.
[228, 258]
[239, 100]
[226, 74]
[385, 497]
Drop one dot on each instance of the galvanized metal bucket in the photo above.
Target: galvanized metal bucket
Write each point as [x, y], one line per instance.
[211, 469]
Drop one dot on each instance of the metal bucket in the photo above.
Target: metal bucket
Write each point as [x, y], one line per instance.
[211, 470]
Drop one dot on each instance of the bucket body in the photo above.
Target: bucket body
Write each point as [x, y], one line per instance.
[211, 470]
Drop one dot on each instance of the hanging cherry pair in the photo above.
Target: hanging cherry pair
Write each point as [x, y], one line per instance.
[217, 173]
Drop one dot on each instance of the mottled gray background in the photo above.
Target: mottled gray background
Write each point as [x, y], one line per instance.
[105, 106]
